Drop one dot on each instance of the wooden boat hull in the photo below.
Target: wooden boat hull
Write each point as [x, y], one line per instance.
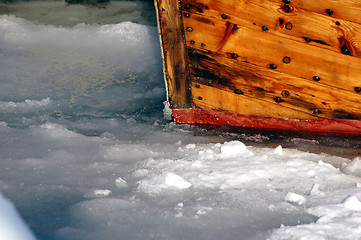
[265, 64]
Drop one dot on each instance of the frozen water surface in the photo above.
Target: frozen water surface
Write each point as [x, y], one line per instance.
[87, 154]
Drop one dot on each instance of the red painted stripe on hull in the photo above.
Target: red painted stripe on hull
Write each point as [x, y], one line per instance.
[217, 118]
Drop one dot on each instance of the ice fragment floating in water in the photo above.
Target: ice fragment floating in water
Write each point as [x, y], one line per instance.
[295, 198]
[174, 180]
[121, 183]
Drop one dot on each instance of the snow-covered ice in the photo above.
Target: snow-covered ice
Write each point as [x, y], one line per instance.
[87, 151]
[11, 225]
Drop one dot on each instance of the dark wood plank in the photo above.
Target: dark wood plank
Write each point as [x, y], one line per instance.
[265, 91]
[174, 53]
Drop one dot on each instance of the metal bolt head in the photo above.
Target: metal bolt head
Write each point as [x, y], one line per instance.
[187, 15]
[289, 26]
[224, 16]
[287, 1]
[278, 99]
[189, 29]
[345, 50]
[286, 60]
[272, 66]
[316, 78]
[358, 89]
[285, 93]
[286, 8]
[238, 91]
[329, 12]
[234, 55]
[264, 28]
[315, 111]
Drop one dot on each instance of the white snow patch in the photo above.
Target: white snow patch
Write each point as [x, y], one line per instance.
[207, 167]
[98, 193]
[336, 222]
[43, 102]
[26, 106]
[233, 149]
[353, 168]
[11, 225]
[174, 180]
[278, 150]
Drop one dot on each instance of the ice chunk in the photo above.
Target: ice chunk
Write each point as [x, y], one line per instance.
[233, 148]
[42, 102]
[352, 203]
[190, 146]
[121, 183]
[278, 150]
[174, 180]
[11, 225]
[315, 191]
[102, 192]
[167, 112]
[98, 193]
[140, 173]
[295, 198]
[354, 168]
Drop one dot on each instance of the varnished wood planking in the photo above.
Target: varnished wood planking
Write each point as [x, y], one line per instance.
[211, 98]
[342, 9]
[297, 24]
[173, 50]
[262, 49]
[272, 87]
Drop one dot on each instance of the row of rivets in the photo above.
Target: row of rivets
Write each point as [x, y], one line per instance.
[288, 26]
[317, 78]
[193, 42]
